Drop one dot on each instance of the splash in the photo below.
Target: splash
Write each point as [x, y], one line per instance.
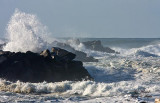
[25, 33]
[76, 44]
[154, 49]
[66, 88]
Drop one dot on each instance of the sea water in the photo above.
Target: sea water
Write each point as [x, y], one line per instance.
[132, 76]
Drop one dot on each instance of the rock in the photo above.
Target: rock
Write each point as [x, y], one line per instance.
[62, 54]
[2, 59]
[97, 46]
[5, 52]
[65, 46]
[143, 102]
[46, 53]
[1, 52]
[81, 56]
[33, 67]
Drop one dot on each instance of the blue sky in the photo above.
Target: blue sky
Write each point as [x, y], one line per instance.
[90, 18]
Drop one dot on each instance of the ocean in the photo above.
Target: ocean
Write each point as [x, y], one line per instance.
[132, 76]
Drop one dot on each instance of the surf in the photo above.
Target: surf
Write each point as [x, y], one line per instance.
[25, 33]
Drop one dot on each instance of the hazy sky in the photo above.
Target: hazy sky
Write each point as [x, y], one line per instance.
[90, 18]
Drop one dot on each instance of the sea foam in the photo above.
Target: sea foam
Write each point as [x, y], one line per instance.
[149, 50]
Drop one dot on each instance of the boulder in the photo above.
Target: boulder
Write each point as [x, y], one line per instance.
[33, 67]
[46, 53]
[81, 56]
[97, 46]
[62, 54]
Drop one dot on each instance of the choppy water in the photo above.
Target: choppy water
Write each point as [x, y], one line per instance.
[131, 76]
[117, 76]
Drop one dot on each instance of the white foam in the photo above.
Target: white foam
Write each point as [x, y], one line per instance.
[83, 88]
[76, 44]
[25, 33]
[154, 49]
[151, 49]
[114, 76]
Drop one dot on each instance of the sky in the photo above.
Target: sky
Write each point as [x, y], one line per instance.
[90, 18]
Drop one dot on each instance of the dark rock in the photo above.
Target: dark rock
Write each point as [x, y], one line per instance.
[2, 59]
[32, 67]
[97, 46]
[81, 56]
[1, 52]
[46, 53]
[62, 54]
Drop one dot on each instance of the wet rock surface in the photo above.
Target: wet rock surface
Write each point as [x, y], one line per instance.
[47, 66]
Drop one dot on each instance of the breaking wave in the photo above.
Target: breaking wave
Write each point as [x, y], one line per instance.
[25, 33]
[76, 44]
[146, 51]
[68, 88]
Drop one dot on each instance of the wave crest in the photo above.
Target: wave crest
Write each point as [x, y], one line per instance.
[146, 51]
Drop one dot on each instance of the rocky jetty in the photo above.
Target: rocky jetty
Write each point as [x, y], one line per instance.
[55, 66]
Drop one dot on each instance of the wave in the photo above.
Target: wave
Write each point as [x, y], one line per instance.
[25, 33]
[152, 50]
[145, 54]
[84, 88]
[76, 44]
[146, 51]
[68, 88]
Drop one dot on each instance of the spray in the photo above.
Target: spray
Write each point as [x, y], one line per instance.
[25, 33]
